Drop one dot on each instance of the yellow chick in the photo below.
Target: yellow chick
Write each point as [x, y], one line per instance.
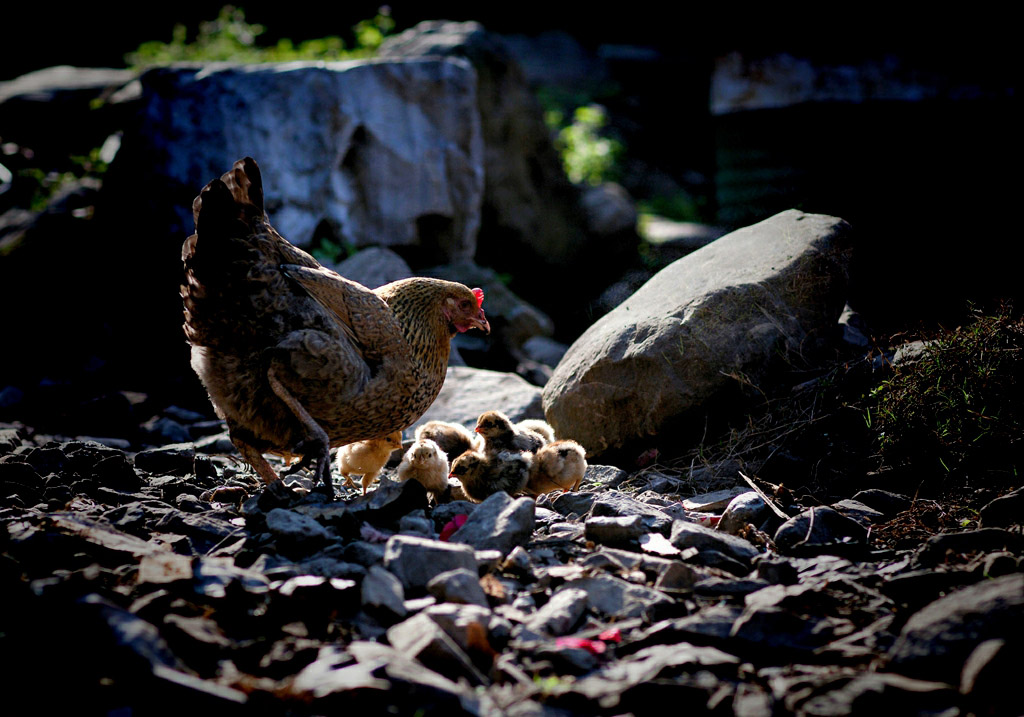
[426, 463]
[500, 435]
[482, 475]
[452, 438]
[367, 458]
[557, 466]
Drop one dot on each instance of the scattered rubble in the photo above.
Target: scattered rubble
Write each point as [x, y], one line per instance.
[169, 573]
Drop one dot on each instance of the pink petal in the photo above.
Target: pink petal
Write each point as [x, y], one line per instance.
[592, 646]
[453, 525]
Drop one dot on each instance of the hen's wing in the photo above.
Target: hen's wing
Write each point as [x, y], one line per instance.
[362, 315]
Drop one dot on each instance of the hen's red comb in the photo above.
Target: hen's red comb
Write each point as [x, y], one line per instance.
[479, 294]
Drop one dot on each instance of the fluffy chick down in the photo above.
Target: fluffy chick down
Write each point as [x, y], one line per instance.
[453, 439]
[557, 466]
[499, 435]
[426, 463]
[483, 474]
[367, 458]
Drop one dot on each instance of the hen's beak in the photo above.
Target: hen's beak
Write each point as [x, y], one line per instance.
[480, 322]
[472, 322]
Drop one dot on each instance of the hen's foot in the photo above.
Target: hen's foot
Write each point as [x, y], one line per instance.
[315, 449]
[277, 495]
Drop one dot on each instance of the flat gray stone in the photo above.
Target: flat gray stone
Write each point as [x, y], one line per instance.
[382, 590]
[414, 561]
[616, 504]
[615, 529]
[499, 523]
[827, 527]
[617, 598]
[745, 508]
[714, 502]
[289, 525]
[422, 639]
[458, 586]
[560, 614]
[690, 535]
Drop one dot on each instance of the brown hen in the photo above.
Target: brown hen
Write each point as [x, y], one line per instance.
[297, 359]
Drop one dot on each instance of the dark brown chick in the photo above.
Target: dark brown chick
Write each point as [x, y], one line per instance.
[453, 438]
[500, 435]
[483, 475]
[367, 458]
[295, 358]
[557, 466]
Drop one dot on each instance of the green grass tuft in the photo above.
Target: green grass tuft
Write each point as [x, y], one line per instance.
[959, 408]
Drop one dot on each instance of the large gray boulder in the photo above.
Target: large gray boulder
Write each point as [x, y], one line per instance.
[368, 152]
[729, 308]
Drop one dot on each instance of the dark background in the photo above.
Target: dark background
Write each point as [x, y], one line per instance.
[968, 41]
[930, 187]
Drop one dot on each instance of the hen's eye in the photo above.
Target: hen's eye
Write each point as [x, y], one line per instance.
[464, 304]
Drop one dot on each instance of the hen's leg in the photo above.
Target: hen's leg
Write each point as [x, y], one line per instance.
[316, 444]
[254, 458]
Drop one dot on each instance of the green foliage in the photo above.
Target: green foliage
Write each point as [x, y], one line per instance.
[960, 407]
[230, 37]
[588, 155]
[45, 185]
[371, 33]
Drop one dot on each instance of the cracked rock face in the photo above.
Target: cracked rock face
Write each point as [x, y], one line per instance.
[166, 574]
[346, 110]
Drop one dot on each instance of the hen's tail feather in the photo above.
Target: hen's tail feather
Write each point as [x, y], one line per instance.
[228, 278]
[244, 185]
